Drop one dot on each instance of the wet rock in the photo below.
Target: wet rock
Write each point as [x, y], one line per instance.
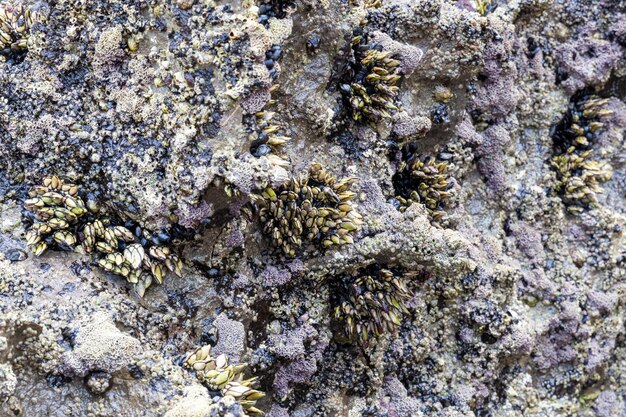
[15, 255]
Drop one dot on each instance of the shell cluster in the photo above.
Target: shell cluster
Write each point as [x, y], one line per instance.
[132, 256]
[266, 138]
[218, 375]
[581, 126]
[266, 134]
[369, 86]
[315, 208]
[63, 220]
[425, 181]
[56, 207]
[15, 24]
[371, 301]
[579, 177]
[275, 8]
[272, 57]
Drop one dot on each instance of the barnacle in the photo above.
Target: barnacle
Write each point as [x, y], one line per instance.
[266, 134]
[442, 94]
[483, 6]
[266, 138]
[367, 4]
[315, 208]
[134, 256]
[218, 375]
[16, 22]
[578, 177]
[55, 208]
[371, 301]
[369, 86]
[581, 125]
[61, 219]
[426, 181]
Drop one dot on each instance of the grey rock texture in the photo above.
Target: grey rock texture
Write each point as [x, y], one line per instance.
[516, 305]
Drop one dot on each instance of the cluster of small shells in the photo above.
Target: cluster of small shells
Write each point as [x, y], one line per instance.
[371, 302]
[425, 181]
[579, 177]
[63, 220]
[266, 134]
[369, 87]
[315, 208]
[15, 24]
[367, 4]
[56, 206]
[267, 140]
[124, 257]
[275, 8]
[218, 375]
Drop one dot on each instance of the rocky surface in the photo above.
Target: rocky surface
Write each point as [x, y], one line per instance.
[173, 113]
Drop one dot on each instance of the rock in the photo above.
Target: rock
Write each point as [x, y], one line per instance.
[99, 346]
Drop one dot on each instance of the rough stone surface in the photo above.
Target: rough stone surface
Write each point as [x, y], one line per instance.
[98, 344]
[516, 306]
